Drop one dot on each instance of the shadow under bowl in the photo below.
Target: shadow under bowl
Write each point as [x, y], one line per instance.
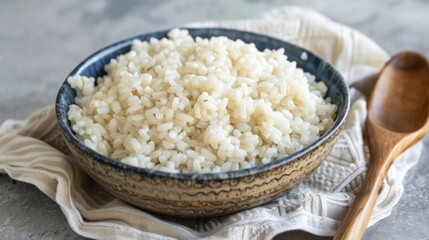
[212, 194]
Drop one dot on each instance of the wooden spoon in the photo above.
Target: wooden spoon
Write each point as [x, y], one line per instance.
[398, 117]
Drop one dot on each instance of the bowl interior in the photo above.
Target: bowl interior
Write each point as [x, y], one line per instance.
[93, 66]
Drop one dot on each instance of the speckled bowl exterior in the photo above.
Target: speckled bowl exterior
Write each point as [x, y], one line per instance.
[205, 195]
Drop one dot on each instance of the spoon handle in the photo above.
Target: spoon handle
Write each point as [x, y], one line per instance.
[360, 211]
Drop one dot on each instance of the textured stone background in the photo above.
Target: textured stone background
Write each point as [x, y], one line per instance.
[42, 41]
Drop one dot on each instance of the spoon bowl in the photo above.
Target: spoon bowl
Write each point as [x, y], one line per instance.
[398, 117]
[399, 99]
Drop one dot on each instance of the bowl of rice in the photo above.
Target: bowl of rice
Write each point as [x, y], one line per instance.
[201, 122]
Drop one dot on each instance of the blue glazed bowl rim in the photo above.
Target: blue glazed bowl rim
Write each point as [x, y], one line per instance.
[69, 136]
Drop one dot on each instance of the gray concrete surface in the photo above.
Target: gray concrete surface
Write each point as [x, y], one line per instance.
[41, 42]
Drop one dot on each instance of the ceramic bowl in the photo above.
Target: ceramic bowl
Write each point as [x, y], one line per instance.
[213, 194]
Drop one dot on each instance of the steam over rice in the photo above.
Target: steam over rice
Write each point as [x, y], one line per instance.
[199, 106]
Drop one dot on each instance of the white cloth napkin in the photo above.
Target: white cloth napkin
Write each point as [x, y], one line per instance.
[32, 151]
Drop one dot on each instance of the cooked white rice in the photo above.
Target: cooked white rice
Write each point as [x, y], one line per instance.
[199, 106]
